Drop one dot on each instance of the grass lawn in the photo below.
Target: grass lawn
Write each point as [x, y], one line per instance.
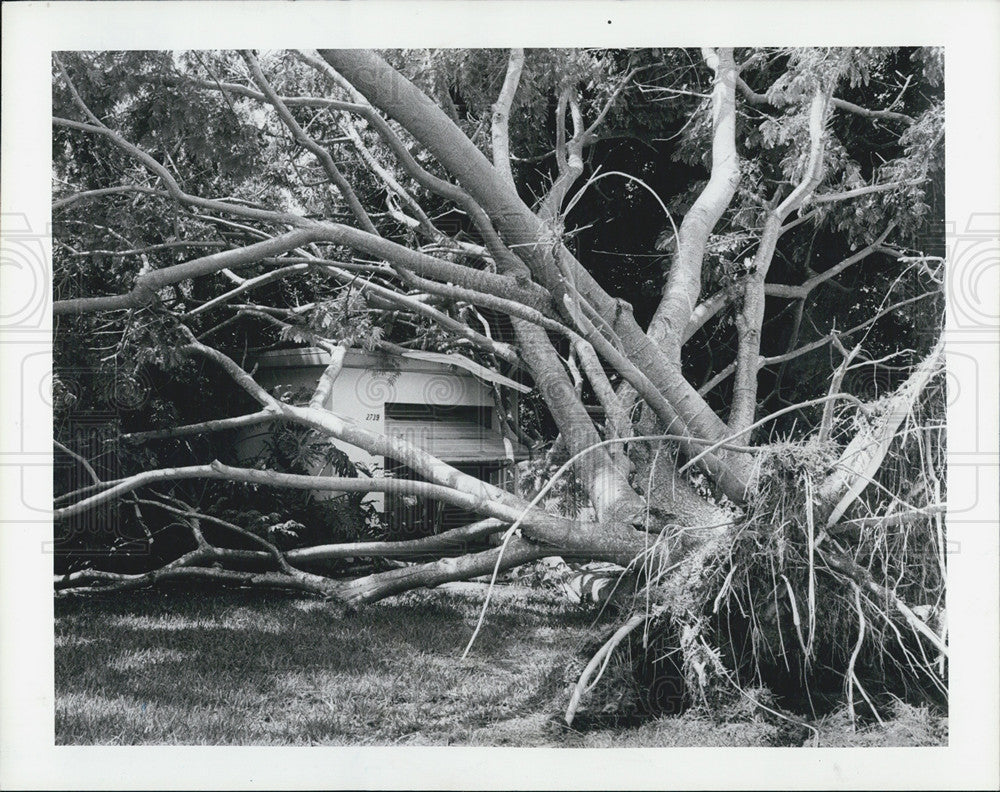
[244, 668]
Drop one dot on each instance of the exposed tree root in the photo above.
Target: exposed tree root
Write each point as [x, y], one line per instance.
[595, 668]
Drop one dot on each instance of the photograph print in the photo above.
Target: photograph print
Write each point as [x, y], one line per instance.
[522, 397]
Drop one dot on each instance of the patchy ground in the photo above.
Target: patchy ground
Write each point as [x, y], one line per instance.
[240, 667]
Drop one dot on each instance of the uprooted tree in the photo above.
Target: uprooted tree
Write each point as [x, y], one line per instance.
[730, 254]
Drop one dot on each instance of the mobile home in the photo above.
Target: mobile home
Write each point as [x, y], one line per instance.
[443, 404]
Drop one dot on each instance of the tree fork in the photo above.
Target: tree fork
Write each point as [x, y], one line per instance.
[521, 230]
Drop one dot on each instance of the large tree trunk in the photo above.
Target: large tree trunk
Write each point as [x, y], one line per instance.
[530, 238]
[604, 480]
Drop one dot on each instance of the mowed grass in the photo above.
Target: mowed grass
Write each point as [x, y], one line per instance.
[237, 667]
[242, 667]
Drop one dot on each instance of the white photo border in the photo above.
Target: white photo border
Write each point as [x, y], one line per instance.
[969, 32]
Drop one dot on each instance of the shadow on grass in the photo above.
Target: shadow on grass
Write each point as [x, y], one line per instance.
[241, 667]
[248, 667]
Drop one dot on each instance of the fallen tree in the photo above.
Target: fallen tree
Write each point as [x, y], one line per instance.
[735, 521]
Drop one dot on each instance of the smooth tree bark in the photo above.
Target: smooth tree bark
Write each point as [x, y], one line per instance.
[750, 317]
[680, 295]
[526, 233]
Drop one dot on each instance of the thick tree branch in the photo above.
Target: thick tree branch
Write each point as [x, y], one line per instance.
[220, 472]
[174, 188]
[705, 310]
[455, 540]
[326, 380]
[438, 269]
[617, 422]
[501, 114]
[83, 462]
[711, 306]
[755, 98]
[680, 295]
[239, 376]
[149, 283]
[521, 229]
[750, 318]
[484, 300]
[217, 425]
[813, 345]
[569, 157]
[330, 232]
[384, 584]
[850, 107]
[603, 479]
[62, 203]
